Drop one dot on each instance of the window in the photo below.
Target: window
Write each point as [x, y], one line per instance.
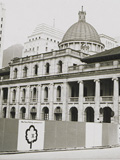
[23, 95]
[46, 94]
[59, 93]
[0, 38]
[14, 95]
[36, 69]
[46, 48]
[1, 19]
[60, 67]
[1, 25]
[25, 71]
[34, 94]
[47, 38]
[15, 73]
[47, 68]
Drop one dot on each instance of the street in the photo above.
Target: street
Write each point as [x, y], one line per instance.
[89, 154]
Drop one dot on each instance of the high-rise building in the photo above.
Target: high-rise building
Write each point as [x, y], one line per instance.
[108, 41]
[2, 25]
[43, 39]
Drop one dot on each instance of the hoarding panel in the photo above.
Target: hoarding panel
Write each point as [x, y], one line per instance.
[30, 135]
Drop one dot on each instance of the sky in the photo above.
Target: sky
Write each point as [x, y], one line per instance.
[22, 16]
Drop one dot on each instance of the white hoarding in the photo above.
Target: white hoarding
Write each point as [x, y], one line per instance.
[30, 135]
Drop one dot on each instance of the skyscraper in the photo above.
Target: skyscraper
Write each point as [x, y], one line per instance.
[2, 26]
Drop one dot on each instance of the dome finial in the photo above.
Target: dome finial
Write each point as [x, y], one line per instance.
[82, 14]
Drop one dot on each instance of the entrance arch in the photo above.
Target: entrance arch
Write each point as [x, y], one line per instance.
[89, 112]
[12, 112]
[73, 114]
[33, 113]
[45, 112]
[4, 112]
[107, 114]
[58, 114]
[22, 112]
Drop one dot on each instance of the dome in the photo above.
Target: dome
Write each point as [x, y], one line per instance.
[81, 31]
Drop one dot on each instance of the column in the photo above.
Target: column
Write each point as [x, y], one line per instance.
[1, 98]
[17, 115]
[27, 114]
[8, 104]
[39, 115]
[50, 96]
[97, 100]
[65, 112]
[116, 99]
[80, 108]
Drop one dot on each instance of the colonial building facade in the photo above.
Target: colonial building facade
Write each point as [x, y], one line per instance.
[69, 84]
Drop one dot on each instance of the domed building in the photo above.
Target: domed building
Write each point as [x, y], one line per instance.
[62, 85]
[82, 36]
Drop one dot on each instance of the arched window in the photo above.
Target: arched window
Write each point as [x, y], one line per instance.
[59, 93]
[47, 68]
[36, 70]
[45, 112]
[107, 114]
[15, 72]
[89, 111]
[46, 94]
[12, 112]
[60, 67]
[25, 71]
[73, 114]
[23, 95]
[33, 113]
[58, 114]
[22, 113]
[14, 95]
[34, 94]
[4, 112]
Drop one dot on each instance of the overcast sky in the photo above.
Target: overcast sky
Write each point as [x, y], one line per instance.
[22, 16]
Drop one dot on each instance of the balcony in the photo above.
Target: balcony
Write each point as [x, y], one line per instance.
[13, 101]
[89, 99]
[74, 99]
[23, 100]
[4, 101]
[45, 99]
[58, 99]
[33, 100]
[106, 98]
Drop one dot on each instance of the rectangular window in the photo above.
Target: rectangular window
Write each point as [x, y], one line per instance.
[1, 25]
[1, 19]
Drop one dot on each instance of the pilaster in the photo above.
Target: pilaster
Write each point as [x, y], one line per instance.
[50, 97]
[80, 108]
[115, 99]
[97, 100]
[17, 115]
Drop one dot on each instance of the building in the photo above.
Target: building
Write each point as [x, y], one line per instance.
[43, 39]
[2, 26]
[69, 84]
[109, 42]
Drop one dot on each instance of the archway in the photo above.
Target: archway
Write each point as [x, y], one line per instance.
[58, 114]
[73, 114]
[4, 112]
[33, 113]
[22, 113]
[45, 112]
[12, 112]
[107, 114]
[89, 111]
